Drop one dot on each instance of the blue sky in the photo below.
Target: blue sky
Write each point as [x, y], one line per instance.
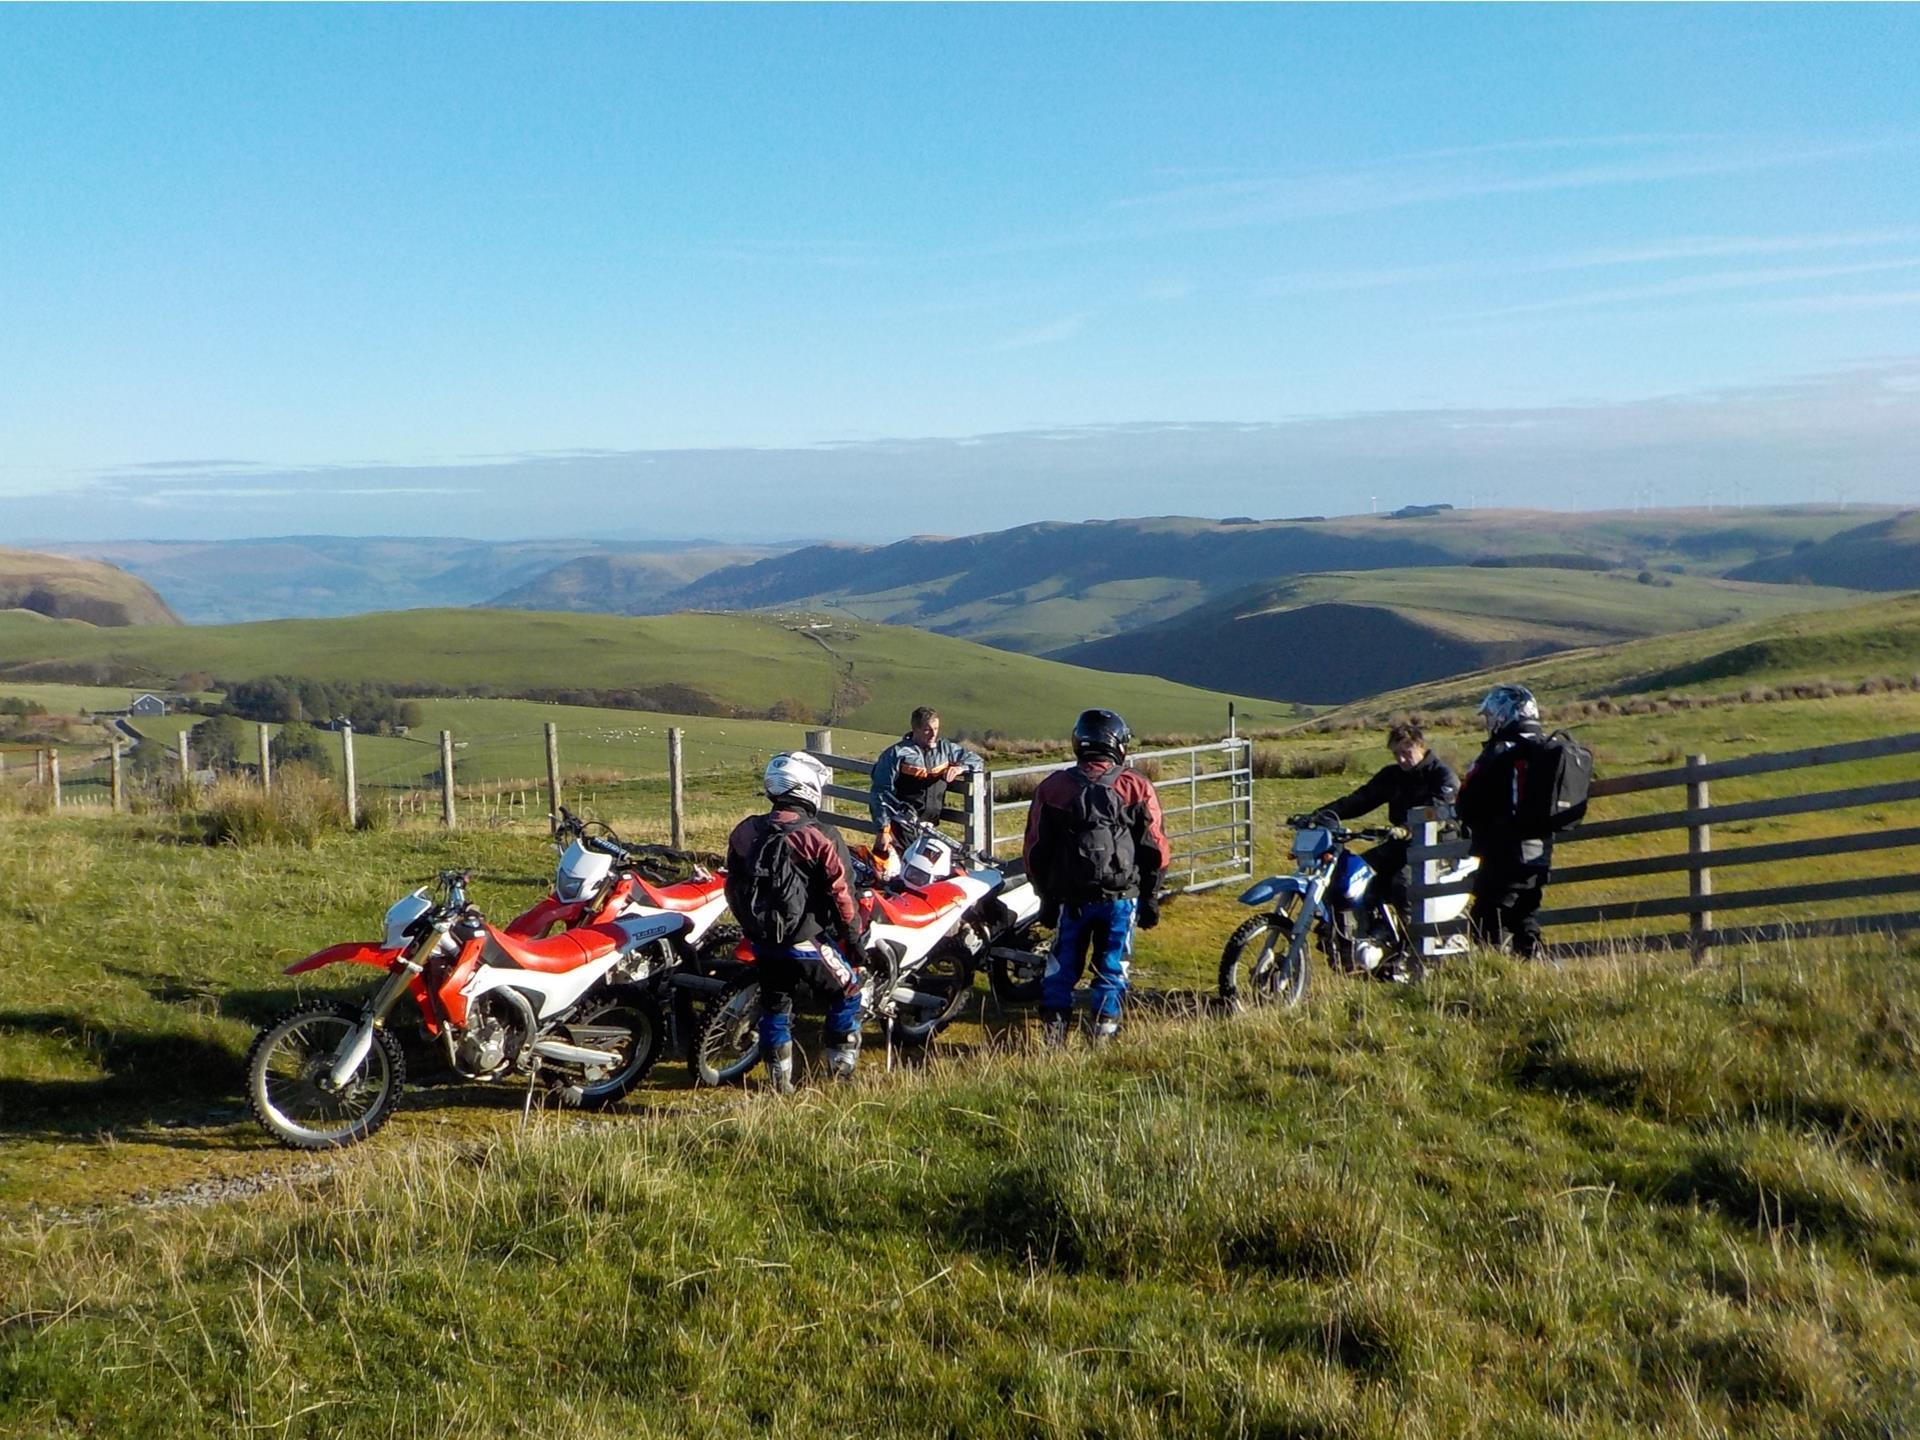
[386, 263]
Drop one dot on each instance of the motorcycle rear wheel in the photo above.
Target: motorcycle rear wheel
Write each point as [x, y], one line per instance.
[729, 1041]
[1260, 965]
[1019, 983]
[948, 973]
[622, 1007]
[284, 1070]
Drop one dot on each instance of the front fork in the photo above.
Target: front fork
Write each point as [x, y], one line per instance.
[1304, 922]
[352, 1053]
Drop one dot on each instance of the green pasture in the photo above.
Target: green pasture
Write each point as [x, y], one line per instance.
[1878, 639]
[1576, 606]
[867, 676]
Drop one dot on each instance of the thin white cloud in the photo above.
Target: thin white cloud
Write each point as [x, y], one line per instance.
[1050, 334]
[1695, 285]
[1410, 180]
[1332, 282]
[1719, 247]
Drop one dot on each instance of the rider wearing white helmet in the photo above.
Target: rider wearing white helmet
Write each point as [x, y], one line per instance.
[1508, 887]
[790, 949]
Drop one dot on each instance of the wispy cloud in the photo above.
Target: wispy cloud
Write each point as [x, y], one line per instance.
[1686, 285]
[1330, 282]
[1719, 247]
[1435, 178]
[1052, 333]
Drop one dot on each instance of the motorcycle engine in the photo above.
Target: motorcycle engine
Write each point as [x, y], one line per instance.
[495, 1033]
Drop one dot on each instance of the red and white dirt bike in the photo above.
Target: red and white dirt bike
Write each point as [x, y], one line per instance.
[926, 925]
[600, 879]
[574, 1010]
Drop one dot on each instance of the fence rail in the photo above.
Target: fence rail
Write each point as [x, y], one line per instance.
[1700, 860]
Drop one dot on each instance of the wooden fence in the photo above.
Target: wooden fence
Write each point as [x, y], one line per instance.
[1699, 861]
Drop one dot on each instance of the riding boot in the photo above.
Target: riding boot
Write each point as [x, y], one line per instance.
[781, 1067]
[1053, 1029]
[843, 1055]
[1105, 1028]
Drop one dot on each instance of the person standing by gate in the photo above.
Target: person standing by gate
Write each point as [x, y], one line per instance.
[1514, 861]
[1096, 845]
[913, 773]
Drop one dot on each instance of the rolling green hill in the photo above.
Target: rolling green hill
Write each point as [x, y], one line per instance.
[1846, 645]
[216, 582]
[866, 676]
[64, 588]
[1042, 587]
[621, 584]
[1331, 638]
[1881, 555]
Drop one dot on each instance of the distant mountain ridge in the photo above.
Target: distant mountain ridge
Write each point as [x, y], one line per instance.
[64, 588]
[320, 576]
[1880, 555]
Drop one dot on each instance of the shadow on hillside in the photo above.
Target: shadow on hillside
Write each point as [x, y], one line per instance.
[143, 1076]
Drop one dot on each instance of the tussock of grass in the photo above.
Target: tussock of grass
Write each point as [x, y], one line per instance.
[302, 807]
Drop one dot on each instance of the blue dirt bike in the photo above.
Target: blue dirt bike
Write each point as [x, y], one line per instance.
[1326, 898]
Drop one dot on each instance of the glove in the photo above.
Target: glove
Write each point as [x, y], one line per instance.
[1148, 914]
[1049, 912]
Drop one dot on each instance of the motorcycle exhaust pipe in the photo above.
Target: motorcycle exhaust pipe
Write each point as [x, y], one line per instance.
[573, 1054]
[919, 999]
[705, 984]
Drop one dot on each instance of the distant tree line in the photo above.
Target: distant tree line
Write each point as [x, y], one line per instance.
[230, 744]
[292, 699]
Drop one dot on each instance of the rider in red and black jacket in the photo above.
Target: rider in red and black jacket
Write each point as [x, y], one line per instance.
[1096, 846]
[795, 783]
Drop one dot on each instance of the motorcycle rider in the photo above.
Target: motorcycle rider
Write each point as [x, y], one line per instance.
[913, 773]
[794, 782]
[1095, 848]
[1417, 777]
[1514, 865]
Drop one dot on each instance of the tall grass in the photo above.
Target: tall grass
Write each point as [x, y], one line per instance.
[302, 807]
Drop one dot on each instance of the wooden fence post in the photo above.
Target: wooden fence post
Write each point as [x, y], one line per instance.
[116, 781]
[266, 758]
[1699, 878]
[446, 779]
[186, 756]
[53, 773]
[676, 788]
[353, 788]
[40, 767]
[553, 774]
[821, 743]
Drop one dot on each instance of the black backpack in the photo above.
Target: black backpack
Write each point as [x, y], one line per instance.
[779, 893]
[1553, 791]
[1097, 858]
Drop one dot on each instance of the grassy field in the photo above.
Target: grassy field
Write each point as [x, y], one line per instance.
[1626, 1197]
[1632, 1198]
[868, 677]
[1878, 639]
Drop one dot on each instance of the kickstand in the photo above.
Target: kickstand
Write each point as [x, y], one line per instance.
[526, 1110]
[888, 1030]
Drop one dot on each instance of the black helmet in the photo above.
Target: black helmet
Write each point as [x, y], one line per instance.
[1100, 732]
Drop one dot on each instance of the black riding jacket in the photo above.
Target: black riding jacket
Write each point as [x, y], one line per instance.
[1431, 782]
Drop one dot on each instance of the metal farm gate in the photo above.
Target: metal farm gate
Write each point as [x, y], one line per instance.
[1206, 795]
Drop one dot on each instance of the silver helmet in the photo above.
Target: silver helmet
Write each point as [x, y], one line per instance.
[796, 775]
[1507, 703]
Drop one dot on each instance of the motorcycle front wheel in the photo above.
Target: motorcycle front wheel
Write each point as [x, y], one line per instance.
[632, 1024]
[729, 1039]
[287, 1069]
[1261, 965]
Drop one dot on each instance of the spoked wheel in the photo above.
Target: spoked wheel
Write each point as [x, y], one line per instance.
[626, 1021]
[948, 974]
[1017, 982]
[1261, 963]
[729, 1040]
[288, 1082]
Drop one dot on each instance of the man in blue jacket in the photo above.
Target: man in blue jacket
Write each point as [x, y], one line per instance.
[913, 773]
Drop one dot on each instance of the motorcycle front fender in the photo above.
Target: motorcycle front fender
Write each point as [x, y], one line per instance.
[354, 952]
[1274, 888]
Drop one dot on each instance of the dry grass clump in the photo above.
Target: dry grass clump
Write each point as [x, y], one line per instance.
[302, 807]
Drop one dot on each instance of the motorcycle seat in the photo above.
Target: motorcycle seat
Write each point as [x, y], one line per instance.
[566, 951]
[684, 897]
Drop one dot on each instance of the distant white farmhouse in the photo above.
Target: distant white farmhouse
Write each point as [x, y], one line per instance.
[147, 704]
